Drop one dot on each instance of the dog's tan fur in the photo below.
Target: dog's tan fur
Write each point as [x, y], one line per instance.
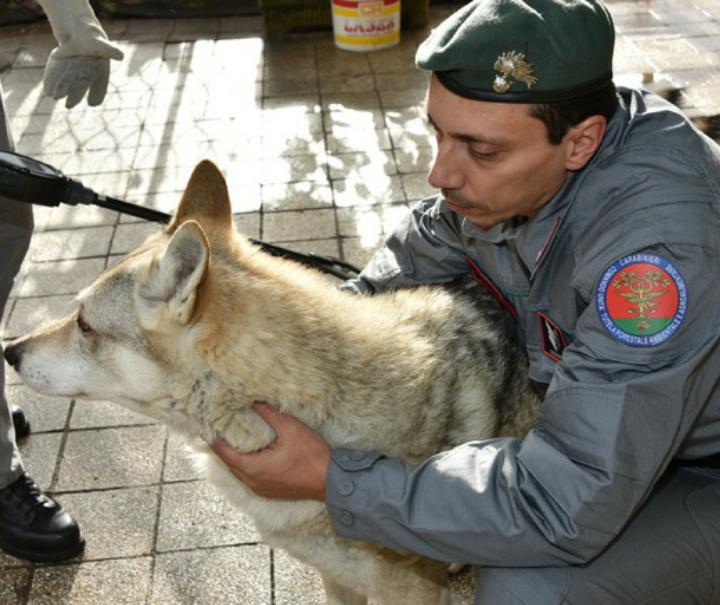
[197, 323]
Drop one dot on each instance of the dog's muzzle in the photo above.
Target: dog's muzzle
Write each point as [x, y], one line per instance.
[12, 355]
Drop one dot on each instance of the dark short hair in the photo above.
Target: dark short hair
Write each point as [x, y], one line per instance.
[558, 117]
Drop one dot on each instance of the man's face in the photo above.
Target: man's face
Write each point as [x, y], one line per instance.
[493, 160]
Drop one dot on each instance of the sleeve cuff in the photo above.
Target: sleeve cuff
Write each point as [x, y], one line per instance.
[343, 496]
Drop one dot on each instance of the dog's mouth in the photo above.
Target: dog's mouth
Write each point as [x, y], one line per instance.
[42, 384]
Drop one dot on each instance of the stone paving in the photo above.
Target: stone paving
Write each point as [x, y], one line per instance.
[324, 150]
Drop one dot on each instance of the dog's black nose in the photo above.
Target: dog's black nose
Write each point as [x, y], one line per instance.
[12, 356]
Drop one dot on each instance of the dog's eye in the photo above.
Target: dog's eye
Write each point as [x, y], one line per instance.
[84, 327]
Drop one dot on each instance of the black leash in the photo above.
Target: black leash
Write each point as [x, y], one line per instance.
[25, 179]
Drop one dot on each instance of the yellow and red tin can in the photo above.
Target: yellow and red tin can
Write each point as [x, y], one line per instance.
[363, 25]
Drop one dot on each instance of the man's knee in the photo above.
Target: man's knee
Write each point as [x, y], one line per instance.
[664, 556]
[521, 586]
[668, 554]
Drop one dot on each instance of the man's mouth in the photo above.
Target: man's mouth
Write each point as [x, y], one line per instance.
[456, 206]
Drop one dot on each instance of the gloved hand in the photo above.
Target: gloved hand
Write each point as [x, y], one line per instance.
[81, 61]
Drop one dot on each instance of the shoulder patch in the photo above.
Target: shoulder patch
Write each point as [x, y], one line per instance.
[642, 300]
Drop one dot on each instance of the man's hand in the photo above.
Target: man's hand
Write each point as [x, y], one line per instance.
[81, 62]
[293, 467]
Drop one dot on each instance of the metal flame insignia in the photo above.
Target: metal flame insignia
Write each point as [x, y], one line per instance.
[512, 65]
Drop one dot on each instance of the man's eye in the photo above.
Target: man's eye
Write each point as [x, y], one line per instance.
[483, 155]
[83, 325]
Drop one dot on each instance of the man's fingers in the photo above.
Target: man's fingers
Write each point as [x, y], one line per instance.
[269, 413]
[292, 467]
[226, 451]
[60, 83]
[76, 91]
[229, 454]
[99, 84]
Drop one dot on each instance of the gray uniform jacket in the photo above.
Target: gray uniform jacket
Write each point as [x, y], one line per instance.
[614, 284]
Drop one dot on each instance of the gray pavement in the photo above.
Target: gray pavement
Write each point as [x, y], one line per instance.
[324, 150]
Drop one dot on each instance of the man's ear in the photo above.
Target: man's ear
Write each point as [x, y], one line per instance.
[205, 200]
[583, 140]
[168, 292]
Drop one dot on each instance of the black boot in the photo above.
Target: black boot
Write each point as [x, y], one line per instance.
[22, 424]
[33, 526]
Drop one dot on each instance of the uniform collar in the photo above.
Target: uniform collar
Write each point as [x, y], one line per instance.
[540, 231]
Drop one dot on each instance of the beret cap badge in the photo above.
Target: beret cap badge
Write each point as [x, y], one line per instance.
[512, 65]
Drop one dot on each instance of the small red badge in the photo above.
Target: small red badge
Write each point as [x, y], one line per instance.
[642, 300]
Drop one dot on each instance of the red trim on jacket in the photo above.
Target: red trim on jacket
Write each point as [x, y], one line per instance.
[480, 277]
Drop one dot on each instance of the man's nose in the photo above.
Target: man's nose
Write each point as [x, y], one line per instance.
[444, 172]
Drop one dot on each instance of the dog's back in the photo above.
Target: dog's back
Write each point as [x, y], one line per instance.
[408, 372]
[495, 355]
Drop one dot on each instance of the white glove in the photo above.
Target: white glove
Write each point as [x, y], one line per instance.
[81, 61]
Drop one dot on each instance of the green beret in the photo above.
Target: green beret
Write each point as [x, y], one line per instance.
[522, 51]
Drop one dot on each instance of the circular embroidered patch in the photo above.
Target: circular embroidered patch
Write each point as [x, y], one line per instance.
[642, 300]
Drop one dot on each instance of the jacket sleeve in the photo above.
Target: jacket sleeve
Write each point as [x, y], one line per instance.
[613, 417]
[425, 248]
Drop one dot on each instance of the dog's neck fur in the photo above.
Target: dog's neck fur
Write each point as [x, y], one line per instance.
[210, 409]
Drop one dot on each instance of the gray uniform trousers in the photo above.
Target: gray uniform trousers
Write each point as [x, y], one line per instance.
[16, 224]
[669, 554]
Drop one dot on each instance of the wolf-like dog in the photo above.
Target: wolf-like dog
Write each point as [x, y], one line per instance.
[197, 323]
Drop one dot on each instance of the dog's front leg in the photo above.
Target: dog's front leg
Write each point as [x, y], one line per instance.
[339, 595]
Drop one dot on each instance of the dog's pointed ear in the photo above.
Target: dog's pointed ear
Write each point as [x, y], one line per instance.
[205, 199]
[169, 289]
